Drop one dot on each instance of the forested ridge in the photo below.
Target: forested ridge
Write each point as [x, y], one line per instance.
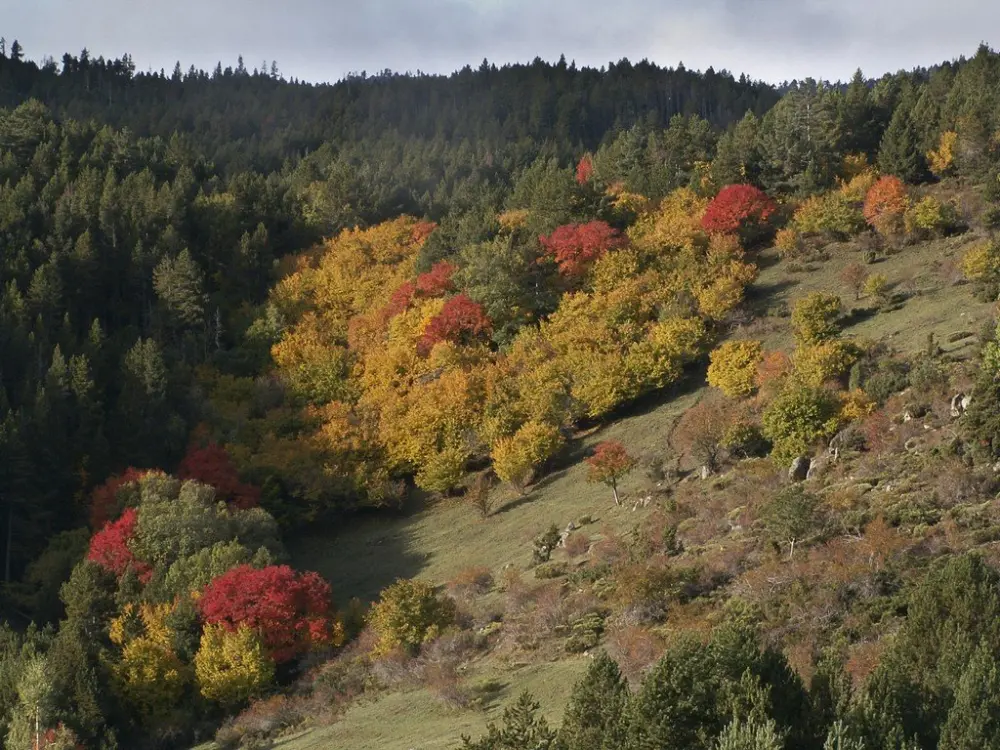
[232, 305]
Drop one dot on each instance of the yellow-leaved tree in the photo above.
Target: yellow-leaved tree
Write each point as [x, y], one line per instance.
[815, 317]
[942, 159]
[515, 458]
[822, 361]
[232, 666]
[733, 367]
[149, 676]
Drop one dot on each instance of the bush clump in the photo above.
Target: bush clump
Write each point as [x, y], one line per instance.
[408, 614]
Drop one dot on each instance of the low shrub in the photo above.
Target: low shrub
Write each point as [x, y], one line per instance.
[577, 544]
[471, 582]
[551, 570]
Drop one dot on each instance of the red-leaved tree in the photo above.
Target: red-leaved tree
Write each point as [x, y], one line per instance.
[584, 169]
[110, 549]
[575, 247]
[212, 465]
[105, 503]
[739, 209]
[400, 299]
[437, 281]
[610, 462]
[460, 321]
[291, 611]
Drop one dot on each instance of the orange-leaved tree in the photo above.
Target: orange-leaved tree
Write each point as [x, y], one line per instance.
[885, 206]
[609, 464]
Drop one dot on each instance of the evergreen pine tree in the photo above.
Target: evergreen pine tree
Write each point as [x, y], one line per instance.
[899, 153]
[593, 718]
[973, 723]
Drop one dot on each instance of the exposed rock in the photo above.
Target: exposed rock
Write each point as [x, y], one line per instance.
[959, 403]
[799, 469]
[819, 464]
[642, 502]
[570, 528]
[705, 472]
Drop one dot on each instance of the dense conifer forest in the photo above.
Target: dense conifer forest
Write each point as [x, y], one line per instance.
[235, 307]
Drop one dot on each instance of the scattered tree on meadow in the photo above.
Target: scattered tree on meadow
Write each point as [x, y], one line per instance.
[593, 719]
[854, 277]
[609, 463]
[521, 728]
[815, 317]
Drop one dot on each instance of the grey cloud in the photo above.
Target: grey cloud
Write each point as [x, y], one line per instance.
[324, 39]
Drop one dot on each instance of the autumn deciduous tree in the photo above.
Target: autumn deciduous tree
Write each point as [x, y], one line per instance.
[109, 547]
[774, 367]
[232, 666]
[854, 277]
[575, 247]
[942, 159]
[701, 430]
[798, 418]
[105, 503]
[212, 465]
[291, 611]
[437, 281]
[407, 614]
[733, 367]
[584, 169]
[610, 462]
[820, 362]
[885, 206]
[739, 209]
[516, 458]
[815, 316]
[460, 321]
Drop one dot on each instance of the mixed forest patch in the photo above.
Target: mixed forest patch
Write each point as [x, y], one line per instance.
[695, 401]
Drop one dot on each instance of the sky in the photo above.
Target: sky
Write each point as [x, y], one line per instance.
[323, 40]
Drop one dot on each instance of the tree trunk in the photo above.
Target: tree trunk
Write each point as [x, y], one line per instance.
[614, 491]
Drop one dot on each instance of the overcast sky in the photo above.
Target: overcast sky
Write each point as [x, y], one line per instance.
[322, 40]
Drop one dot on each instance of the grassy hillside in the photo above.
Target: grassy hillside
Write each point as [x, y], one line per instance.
[438, 541]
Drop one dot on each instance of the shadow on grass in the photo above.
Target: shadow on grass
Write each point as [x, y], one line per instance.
[767, 290]
[488, 693]
[858, 315]
[517, 502]
[363, 554]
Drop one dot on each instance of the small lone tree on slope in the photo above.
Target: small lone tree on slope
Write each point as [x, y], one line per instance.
[609, 464]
